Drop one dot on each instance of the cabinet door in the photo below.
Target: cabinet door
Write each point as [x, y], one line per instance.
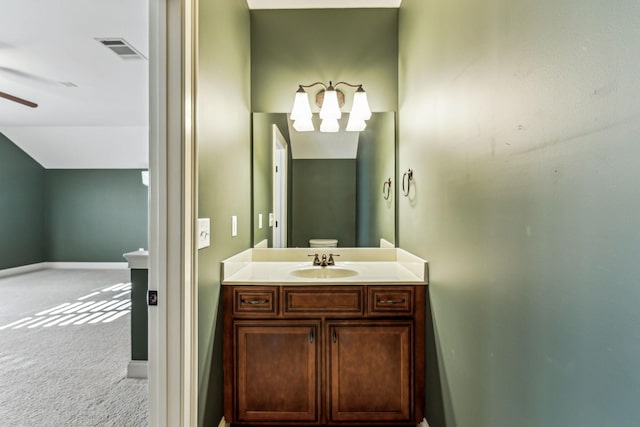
[277, 371]
[370, 371]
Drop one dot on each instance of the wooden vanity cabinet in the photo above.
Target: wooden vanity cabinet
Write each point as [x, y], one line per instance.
[272, 384]
[369, 371]
[324, 355]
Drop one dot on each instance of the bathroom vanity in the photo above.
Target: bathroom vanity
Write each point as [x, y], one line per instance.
[335, 345]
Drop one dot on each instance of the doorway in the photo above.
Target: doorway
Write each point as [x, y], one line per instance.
[280, 172]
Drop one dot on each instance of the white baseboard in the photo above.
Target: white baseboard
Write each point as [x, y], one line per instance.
[137, 369]
[63, 265]
[424, 423]
[88, 265]
[23, 269]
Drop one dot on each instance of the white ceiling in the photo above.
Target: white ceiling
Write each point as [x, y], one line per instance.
[102, 121]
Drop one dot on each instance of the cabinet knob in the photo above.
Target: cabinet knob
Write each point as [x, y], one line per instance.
[312, 336]
[335, 336]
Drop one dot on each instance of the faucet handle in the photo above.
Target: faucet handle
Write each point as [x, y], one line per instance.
[331, 261]
[316, 260]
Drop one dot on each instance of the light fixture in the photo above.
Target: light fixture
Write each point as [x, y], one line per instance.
[303, 125]
[329, 125]
[355, 124]
[330, 108]
[360, 108]
[301, 109]
[330, 100]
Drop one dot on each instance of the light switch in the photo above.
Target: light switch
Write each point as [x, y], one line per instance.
[234, 226]
[204, 232]
[259, 220]
[270, 219]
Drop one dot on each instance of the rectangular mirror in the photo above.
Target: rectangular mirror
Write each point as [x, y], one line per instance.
[314, 185]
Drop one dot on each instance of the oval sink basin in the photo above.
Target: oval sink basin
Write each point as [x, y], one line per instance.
[324, 273]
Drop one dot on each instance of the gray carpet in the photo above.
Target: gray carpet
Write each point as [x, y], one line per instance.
[64, 349]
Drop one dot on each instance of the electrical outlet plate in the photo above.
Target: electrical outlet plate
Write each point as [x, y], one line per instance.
[234, 226]
[204, 232]
[270, 219]
[259, 220]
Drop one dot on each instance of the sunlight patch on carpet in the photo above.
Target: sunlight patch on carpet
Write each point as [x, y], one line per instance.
[115, 302]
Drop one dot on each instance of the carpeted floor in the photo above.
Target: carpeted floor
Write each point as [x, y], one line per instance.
[64, 349]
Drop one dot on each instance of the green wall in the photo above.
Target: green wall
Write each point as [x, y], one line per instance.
[67, 215]
[520, 120]
[323, 201]
[291, 47]
[22, 231]
[94, 215]
[224, 150]
[376, 162]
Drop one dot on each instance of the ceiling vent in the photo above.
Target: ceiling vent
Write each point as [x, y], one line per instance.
[122, 48]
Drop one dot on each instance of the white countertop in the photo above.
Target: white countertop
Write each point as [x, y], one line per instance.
[386, 267]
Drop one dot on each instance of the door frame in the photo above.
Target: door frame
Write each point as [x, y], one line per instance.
[280, 186]
[173, 376]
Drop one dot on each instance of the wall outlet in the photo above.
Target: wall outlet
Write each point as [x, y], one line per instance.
[234, 226]
[259, 220]
[204, 232]
[270, 219]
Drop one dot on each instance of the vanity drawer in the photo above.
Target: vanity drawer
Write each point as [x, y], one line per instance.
[252, 300]
[391, 300]
[323, 300]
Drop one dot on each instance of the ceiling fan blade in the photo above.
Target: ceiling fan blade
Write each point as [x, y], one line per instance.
[18, 100]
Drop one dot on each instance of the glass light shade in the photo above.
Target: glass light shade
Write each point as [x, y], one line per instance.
[301, 109]
[330, 108]
[360, 107]
[303, 125]
[329, 125]
[355, 124]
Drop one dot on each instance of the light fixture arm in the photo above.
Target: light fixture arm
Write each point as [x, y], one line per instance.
[359, 86]
[331, 85]
[312, 85]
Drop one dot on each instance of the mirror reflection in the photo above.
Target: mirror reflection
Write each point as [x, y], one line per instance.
[323, 188]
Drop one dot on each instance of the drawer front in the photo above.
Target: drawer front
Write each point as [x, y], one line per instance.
[254, 301]
[392, 300]
[342, 299]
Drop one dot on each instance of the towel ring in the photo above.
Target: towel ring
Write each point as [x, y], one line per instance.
[408, 176]
[386, 189]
